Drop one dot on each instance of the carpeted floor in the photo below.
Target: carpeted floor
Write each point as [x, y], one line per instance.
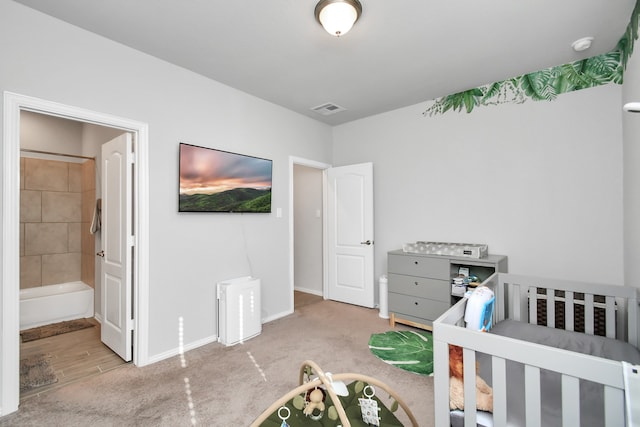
[216, 385]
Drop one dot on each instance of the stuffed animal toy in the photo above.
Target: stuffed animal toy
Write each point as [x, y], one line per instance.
[315, 401]
[484, 393]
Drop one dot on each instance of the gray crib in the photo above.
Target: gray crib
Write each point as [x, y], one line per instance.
[552, 358]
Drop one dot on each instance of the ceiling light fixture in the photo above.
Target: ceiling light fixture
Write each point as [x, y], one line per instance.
[338, 16]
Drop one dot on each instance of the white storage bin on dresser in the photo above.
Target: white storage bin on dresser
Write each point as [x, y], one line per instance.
[238, 310]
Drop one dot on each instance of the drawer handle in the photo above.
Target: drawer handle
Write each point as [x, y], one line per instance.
[415, 283]
[416, 303]
[415, 262]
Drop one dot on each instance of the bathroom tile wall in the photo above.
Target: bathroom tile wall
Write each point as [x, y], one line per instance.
[51, 222]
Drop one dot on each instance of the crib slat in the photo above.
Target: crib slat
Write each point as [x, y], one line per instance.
[632, 312]
[613, 407]
[513, 310]
[469, 371]
[499, 382]
[524, 302]
[499, 291]
[622, 324]
[610, 312]
[551, 308]
[532, 396]
[441, 382]
[533, 305]
[588, 314]
[570, 401]
[569, 321]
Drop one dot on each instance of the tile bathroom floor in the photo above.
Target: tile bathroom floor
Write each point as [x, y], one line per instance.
[74, 356]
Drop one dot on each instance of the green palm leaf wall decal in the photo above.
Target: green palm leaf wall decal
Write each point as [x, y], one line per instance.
[549, 83]
[625, 45]
[539, 85]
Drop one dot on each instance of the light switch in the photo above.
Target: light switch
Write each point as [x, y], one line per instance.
[278, 212]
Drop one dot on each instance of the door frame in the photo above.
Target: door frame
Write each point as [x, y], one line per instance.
[10, 320]
[316, 165]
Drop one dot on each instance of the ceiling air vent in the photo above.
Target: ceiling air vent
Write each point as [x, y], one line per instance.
[328, 109]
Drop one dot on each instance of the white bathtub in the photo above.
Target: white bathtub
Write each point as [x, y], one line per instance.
[55, 303]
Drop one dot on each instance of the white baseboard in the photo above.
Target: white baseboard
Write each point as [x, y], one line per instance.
[176, 351]
[309, 291]
[276, 316]
[208, 340]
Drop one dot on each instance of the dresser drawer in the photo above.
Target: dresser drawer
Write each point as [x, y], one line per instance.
[411, 265]
[422, 308]
[420, 286]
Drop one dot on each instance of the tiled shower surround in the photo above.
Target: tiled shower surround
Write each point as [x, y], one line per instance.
[56, 208]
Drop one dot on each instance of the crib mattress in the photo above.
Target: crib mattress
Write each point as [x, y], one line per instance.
[591, 394]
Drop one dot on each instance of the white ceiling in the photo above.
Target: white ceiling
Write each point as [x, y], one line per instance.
[400, 52]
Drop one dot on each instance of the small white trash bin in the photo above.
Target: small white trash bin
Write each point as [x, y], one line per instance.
[384, 297]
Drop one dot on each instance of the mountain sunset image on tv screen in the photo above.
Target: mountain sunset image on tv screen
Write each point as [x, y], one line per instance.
[213, 180]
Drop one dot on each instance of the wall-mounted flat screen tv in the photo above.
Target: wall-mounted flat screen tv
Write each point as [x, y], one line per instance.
[213, 180]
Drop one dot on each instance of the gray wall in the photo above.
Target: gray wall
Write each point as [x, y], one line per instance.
[49, 133]
[189, 253]
[307, 231]
[540, 182]
[631, 135]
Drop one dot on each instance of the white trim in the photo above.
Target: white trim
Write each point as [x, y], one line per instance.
[178, 351]
[317, 165]
[309, 291]
[9, 341]
[276, 316]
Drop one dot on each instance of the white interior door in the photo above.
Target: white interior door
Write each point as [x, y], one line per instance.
[350, 234]
[117, 322]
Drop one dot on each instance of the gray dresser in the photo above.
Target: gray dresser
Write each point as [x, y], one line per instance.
[420, 284]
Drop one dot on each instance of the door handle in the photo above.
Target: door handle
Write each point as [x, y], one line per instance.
[367, 242]
[101, 253]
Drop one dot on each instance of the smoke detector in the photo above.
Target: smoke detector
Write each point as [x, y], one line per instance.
[632, 107]
[582, 44]
[328, 109]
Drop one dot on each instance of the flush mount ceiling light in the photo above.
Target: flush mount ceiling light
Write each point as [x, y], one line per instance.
[338, 16]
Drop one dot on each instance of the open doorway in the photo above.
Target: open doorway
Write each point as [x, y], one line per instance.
[14, 105]
[308, 231]
[347, 231]
[60, 234]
